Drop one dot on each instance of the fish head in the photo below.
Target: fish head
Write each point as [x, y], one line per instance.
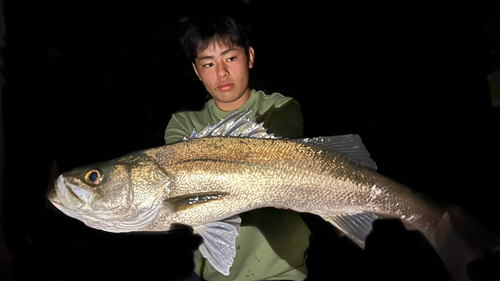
[120, 195]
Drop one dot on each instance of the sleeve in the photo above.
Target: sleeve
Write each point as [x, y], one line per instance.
[287, 121]
[176, 130]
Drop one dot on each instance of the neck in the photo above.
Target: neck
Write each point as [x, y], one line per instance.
[230, 106]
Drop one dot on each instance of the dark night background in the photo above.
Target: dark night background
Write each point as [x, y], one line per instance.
[87, 81]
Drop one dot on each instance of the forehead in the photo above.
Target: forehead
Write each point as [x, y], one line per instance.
[216, 47]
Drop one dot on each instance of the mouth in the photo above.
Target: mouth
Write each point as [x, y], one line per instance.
[53, 198]
[225, 87]
[61, 202]
[68, 195]
[70, 200]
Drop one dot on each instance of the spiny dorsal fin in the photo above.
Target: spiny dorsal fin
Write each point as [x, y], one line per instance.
[348, 146]
[237, 124]
[219, 242]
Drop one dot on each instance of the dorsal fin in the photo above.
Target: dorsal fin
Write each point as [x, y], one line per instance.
[348, 146]
[236, 124]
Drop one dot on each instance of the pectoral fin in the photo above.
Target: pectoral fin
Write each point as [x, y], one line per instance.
[184, 202]
[219, 242]
[356, 227]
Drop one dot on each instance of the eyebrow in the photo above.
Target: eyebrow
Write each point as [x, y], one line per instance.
[222, 54]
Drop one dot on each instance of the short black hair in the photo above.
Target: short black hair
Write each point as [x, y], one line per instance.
[199, 32]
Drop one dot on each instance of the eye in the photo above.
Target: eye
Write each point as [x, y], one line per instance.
[208, 65]
[231, 59]
[93, 177]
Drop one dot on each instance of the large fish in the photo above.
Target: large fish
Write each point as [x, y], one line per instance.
[234, 167]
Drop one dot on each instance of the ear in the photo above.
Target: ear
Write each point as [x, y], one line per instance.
[196, 71]
[251, 57]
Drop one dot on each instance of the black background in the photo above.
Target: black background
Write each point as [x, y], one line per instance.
[92, 80]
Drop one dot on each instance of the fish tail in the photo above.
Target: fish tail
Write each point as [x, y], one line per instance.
[459, 239]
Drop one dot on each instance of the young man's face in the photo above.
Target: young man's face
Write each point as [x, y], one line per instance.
[224, 71]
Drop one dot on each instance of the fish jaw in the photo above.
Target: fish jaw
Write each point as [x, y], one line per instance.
[69, 203]
[71, 200]
[67, 194]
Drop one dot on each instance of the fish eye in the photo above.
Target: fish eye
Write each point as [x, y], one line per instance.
[93, 177]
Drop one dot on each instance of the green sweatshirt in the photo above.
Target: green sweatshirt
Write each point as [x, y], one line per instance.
[272, 243]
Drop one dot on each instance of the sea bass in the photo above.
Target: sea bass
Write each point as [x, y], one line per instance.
[234, 167]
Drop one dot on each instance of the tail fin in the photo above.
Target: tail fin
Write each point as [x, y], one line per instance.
[460, 239]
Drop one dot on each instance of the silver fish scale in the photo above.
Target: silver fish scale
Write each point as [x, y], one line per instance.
[260, 172]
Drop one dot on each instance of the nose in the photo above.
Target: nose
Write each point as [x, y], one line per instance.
[222, 71]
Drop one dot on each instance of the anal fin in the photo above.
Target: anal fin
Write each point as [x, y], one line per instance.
[356, 226]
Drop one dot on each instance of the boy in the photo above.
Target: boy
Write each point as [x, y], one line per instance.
[272, 243]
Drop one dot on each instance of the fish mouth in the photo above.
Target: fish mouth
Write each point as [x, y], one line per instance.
[70, 200]
[53, 198]
[68, 195]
